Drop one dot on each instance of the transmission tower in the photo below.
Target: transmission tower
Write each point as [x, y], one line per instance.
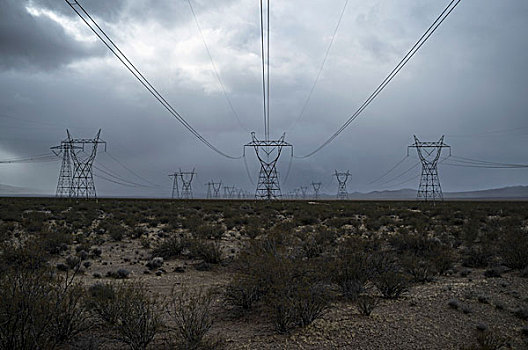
[429, 154]
[186, 178]
[213, 189]
[268, 153]
[342, 179]
[304, 189]
[316, 186]
[216, 189]
[230, 192]
[175, 187]
[66, 148]
[79, 180]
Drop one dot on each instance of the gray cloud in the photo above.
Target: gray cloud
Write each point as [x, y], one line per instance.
[39, 43]
[469, 79]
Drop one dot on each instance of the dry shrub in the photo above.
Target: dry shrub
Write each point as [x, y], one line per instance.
[513, 249]
[293, 290]
[392, 284]
[190, 310]
[131, 313]
[350, 271]
[208, 251]
[169, 248]
[40, 310]
[366, 304]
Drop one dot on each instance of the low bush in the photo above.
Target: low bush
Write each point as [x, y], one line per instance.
[420, 270]
[243, 292]
[488, 340]
[392, 284]
[209, 231]
[296, 298]
[208, 251]
[190, 310]
[39, 310]
[350, 271]
[476, 256]
[131, 313]
[55, 241]
[169, 248]
[513, 249]
[366, 304]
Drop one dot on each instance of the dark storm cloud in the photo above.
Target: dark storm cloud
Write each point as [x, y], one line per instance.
[108, 10]
[35, 42]
[468, 79]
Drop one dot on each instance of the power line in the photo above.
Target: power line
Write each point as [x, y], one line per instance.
[484, 162]
[247, 170]
[119, 178]
[131, 171]
[268, 66]
[215, 69]
[406, 181]
[139, 76]
[46, 157]
[289, 170]
[303, 109]
[113, 181]
[439, 20]
[263, 69]
[389, 171]
[400, 175]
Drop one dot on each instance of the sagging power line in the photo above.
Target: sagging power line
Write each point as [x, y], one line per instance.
[105, 39]
[439, 20]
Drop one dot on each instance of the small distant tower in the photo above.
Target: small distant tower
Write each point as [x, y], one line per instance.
[429, 154]
[186, 178]
[316, 186]
[342, 179]
[213, 190]
[175, 189]
[216, 189]
[304, 189]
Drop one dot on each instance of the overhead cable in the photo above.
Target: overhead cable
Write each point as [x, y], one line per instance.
[439, 20]
[318, 75]
[389, 171]
[130, 170]
[99, 32]
[215, 70]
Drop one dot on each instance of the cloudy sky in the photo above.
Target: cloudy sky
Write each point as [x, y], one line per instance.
[468, 82]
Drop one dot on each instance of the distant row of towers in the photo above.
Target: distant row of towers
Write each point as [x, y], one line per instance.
[78, 155]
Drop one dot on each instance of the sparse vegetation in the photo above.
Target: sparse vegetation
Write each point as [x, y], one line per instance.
[296, 268]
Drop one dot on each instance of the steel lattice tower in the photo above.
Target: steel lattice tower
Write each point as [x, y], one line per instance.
[216, 189]
[65, 175]
[268, 153]
[186, 178]
[82, 179]
[175, 187]
[213, 189]
[316, 186]
[304, 189]
[429, 154]
[230, 192]
[209, 191]
[342, 179]
[78, 180]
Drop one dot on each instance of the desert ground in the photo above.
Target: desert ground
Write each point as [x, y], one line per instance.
[242, 274]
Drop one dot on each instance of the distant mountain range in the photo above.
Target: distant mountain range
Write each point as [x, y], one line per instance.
[513, 192]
